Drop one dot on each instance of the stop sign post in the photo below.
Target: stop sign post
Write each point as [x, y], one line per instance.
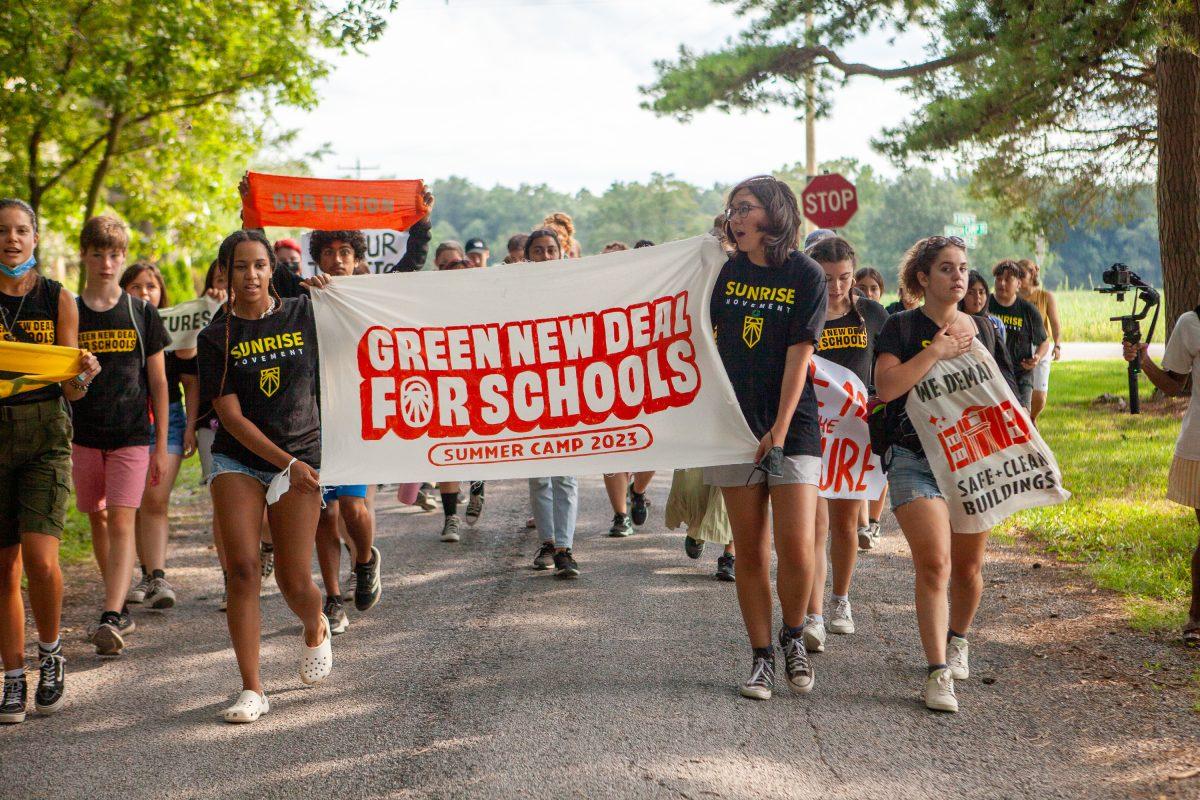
[829, 201]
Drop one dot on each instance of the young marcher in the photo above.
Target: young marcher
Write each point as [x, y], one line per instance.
[852, 325]
[869, 281]
[627, 494]
[288, 255]
[1043, 300]
[516, 249]
[1024, 335]
[337, 253]
[975, 301]
[555, 500]
[478, 253]
[111, 448]
[614, 247]
[1179, 376]
[767, 311]
[907, 302]
[145, 282]
[948, 564]
[258, 368]
[35, 468]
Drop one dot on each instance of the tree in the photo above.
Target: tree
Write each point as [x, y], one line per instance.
[1040, 94]
[146, 106]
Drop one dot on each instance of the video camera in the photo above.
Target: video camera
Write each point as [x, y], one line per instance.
[1122, 280]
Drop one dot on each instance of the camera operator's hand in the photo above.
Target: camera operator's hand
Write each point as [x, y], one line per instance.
[950, 344]
[1028, 364]
[1131, 351]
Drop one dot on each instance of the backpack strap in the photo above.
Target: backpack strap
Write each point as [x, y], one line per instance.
[136, 330]
[986, 331]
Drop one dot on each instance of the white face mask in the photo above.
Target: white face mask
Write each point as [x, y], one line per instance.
[280, 484]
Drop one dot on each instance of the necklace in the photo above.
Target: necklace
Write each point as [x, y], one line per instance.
[270, 310]
[10, 328]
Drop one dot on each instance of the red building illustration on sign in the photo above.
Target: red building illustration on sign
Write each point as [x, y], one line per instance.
[982, 431]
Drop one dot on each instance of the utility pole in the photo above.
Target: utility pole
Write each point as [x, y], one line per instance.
[810, 123]
[359, 169]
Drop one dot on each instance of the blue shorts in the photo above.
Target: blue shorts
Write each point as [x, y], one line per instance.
[349, 490]
[176, 422]
[222, 463]
[910, 477]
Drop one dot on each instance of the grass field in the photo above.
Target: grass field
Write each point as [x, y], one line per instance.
[1118, 522]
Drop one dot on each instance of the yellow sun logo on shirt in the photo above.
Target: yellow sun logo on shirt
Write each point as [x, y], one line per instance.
[268, 381]
[752, 328]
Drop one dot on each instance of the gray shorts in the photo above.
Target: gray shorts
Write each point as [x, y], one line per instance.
[796, 469]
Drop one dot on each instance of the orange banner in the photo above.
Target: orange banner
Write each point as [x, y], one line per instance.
[324, 204]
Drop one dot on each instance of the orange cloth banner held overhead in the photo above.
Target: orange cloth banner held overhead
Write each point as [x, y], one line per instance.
[324, 204]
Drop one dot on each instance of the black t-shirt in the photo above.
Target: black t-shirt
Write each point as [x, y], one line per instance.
[895, 307]
[1023, 330]
[757, 314]
[176, 368]
[906, 334]
[849, 340]
[115, 411]
[272, 368]
[34, 318]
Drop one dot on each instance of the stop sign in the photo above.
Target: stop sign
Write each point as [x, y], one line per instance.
[829, 201]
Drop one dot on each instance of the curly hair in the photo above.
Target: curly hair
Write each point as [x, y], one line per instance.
[919, 260]
[322, 239]
[783, 215]
[1009, 266]
[561, 223]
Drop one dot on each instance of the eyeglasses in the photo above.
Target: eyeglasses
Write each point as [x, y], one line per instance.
[740, 211]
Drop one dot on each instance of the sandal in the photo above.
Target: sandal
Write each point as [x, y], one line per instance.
[249, 706]
[316, 662]
[1191, 635]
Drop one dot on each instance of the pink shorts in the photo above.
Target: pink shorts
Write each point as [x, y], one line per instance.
[105, 478]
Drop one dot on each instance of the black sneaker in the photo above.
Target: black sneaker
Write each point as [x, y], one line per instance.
[564, 565]
[125, 623]
[51, 677]
[335, 612]
[545, 556]
[639, 508]
[693, 547]
[796, 664]
[16, 695]
[367, 588]
[725, 568]
[622, 526]
[266, 554]
[762, 679]
[107, 636]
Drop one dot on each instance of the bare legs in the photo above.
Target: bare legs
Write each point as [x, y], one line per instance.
[151, 524]
[838, 520]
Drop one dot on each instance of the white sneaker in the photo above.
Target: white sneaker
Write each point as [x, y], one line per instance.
[865, 542]
[939, 691]
[814, 636]
[956, 658]
[841, 619]
[875, 533]
[159, 595]
[450, 529]
[316, 662]
[248, 707]
[137, 593]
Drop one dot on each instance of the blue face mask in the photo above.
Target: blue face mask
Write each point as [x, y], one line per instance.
[20, 269]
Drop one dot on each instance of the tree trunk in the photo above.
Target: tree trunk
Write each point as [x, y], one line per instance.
[99, 174]
[1178, 79]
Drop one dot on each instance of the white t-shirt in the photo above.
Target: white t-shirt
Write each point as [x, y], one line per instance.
[1183, 357]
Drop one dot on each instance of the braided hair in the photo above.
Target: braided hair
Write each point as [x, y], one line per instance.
[225, 265]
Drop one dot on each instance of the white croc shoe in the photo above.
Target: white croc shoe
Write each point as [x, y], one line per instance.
[249, 706]
[316, 662]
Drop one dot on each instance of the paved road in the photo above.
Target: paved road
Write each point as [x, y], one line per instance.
[477, 677]
[1102, 351]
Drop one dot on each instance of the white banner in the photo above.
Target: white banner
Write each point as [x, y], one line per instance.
[988, 458]
[185, 321]
[587, 366]
[849, 469]
[384, 250]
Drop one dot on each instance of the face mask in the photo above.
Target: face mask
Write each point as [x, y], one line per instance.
[20, 269]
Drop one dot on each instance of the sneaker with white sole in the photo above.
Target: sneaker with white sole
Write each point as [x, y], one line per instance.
[841, 618]
[761, 681]
[367, 588]
[474, 508]
[796, 664]
[51, 680]
[349, 585]
[159, 594]
[107, 635]
[14, 701]
[876, 533]
[316, 662]
[248, 707]
[137, 593]
[939, 691]
[957, 658]
[622, 526]
[267, 557]
[450, 529]
[865, 542]
[335, 612]
[813, 634]
[545, 556]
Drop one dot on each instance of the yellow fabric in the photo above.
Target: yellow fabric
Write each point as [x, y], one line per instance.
[35, 365]
[699, 507]
[1042, 303]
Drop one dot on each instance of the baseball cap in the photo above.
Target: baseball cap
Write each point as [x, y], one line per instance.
[476, 245]
[287, 243]
[816, 236]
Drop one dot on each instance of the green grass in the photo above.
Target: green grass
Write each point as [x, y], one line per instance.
[77, 538]
[1118, 522]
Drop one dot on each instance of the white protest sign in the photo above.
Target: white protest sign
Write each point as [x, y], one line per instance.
[989, 460]
[849, 469]
[384, 250]
[582, 366]
[185, 321]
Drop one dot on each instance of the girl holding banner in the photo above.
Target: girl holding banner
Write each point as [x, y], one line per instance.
[948, 562]
[35, 466]
[767, 309]
[258, 366]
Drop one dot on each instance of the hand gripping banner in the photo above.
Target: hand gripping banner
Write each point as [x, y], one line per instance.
[583, 366]
[24, 367]
[324, 204]
[989, 460]
[849, 469]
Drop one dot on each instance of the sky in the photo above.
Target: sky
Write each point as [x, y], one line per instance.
[546, 91]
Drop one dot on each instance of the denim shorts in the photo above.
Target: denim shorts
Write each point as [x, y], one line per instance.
[176, 422]
[910, 477]
[222, 463]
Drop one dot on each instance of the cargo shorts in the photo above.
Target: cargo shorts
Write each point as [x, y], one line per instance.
[35, 470]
